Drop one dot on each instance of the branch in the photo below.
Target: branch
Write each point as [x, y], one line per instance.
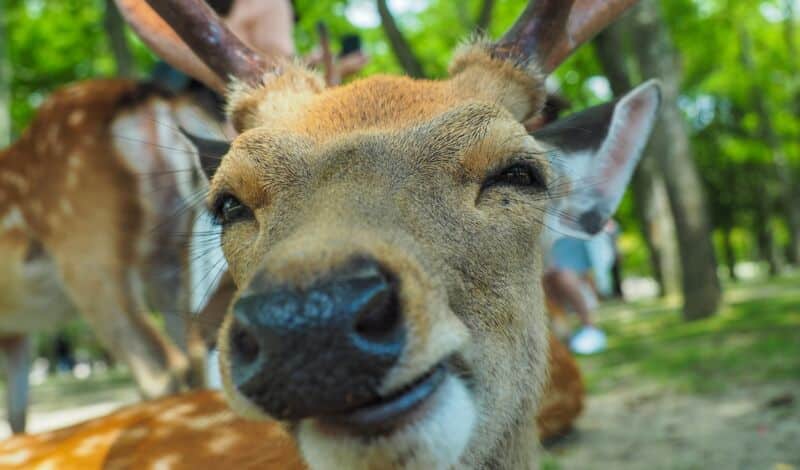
[609, 48]
[485, 15]
[402, 50]
[115, 29]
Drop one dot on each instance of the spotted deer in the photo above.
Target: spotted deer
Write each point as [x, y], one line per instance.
[199, 430]
[384, 239]
[92, 220]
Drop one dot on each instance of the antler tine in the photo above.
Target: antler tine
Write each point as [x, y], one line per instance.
[536, 32]
[205, 34]
[588, 18]
[548, 31]
[162, 39]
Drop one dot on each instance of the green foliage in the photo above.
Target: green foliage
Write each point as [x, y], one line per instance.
[53, 42]
[753, 339]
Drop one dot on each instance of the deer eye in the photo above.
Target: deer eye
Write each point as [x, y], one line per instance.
[227, 209]
[524, 175]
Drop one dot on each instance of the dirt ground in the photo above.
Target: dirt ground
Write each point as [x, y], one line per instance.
[753, 427]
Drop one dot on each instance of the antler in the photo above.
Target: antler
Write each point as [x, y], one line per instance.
[548, 31]
[168, 26]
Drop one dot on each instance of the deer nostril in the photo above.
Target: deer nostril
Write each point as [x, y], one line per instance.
[244, 345]
[379, 320]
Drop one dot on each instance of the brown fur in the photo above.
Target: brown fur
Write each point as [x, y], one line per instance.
[188, 431]
[198, 430]
[392, 168]
[562, 401]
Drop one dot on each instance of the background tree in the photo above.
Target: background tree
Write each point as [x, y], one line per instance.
[649, 190]
[5, 81]
[658, 58]
[115, 29]
[399, 44]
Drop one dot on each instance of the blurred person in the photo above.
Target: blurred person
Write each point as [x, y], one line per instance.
[65, 357]
[567, 282]
[603, 257]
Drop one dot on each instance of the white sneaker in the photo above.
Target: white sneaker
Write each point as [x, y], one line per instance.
[588, 340]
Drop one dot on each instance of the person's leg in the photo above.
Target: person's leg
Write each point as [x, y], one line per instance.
[565, 286]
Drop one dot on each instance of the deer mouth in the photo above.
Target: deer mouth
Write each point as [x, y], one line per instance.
[386, 414]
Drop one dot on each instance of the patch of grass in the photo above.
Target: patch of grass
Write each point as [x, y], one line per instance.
[549, 462]
[755, 337]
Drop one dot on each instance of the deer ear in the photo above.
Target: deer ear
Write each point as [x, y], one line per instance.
[593, 154]
[209, 151]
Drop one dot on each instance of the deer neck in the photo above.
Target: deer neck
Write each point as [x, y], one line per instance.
[518, 449]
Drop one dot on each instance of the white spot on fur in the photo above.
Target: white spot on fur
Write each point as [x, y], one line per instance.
[201, 423]
[436, 441]
[137, 433]
[15, 458]
[76, 117]
[166, 462]
[12, 219]
[50, 464]
[15, 180]
[66, 207]
[93, 444]
[223, 443]
[178, 412]
[74, 161]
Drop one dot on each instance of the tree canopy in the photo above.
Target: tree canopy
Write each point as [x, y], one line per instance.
[739, 95]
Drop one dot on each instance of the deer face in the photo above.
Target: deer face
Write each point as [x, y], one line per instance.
[392, 226]
[385, 240]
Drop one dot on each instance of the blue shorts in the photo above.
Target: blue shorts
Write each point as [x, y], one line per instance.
[570, 253]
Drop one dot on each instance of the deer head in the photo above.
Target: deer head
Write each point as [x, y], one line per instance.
[384, 238]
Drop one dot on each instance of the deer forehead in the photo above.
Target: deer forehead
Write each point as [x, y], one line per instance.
[423, 123]
[297, 94]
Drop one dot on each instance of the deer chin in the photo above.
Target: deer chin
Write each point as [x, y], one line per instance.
[425, 425]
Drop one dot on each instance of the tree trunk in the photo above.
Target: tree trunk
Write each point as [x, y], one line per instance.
[115, 30]
[767, 249]
[402, 50]
[766, 132]
[730, 255]
[790, 38]
[657, 57]
[649, 191]
[5, 81]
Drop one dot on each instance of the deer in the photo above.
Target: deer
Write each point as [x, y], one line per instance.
[92, 220]
[384, 240]
[198, 429]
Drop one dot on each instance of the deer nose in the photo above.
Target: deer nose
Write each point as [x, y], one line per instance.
[323, 350]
